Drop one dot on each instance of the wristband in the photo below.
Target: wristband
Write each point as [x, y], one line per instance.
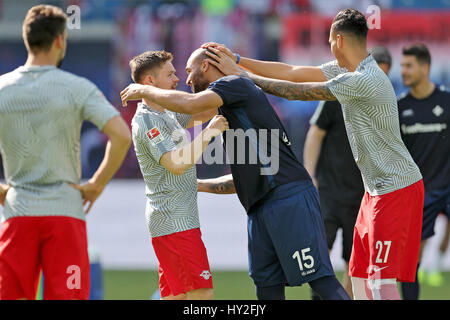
[238, 57]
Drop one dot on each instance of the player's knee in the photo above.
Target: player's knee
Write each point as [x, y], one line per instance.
[181, 296]
[200, 294]
[270, 293]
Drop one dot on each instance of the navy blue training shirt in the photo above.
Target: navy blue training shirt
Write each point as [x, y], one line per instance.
[424, 125]
[263, 158]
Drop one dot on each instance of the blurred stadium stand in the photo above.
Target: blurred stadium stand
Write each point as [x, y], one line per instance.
[294, 31]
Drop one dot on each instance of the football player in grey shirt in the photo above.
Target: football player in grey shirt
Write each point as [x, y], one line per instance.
[167, 160]
[41, 112]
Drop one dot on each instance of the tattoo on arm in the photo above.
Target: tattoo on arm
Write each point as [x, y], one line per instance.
[225, 187]
[221, 185]
[308, 91]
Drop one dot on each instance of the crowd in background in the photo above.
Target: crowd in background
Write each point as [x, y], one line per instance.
[261, 29]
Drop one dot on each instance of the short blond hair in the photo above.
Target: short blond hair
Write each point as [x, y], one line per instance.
[148, 62]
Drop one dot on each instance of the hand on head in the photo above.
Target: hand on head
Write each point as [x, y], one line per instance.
[223, 59]
[223, 48]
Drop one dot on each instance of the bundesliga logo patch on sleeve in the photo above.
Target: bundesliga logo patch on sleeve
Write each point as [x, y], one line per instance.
[155, 136]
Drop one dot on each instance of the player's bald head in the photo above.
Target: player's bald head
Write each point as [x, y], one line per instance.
[198, 55]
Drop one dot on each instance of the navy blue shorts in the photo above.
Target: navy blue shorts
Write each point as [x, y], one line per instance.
[436, 201]
[286, 237]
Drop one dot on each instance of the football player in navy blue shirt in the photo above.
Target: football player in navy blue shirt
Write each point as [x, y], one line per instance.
[286, 237]
[424, 114]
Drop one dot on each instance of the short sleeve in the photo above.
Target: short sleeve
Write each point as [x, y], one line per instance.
[183, 119]
[96, 108]
[351, 86]
[232, 90]
[155, 134]
[323, 116]
[331, 69]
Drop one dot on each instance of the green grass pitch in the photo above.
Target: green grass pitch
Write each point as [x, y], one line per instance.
[228, 285]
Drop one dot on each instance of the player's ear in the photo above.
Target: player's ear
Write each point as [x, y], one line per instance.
[339, 41]
[205, 65]
[59, 41]
[148, 80]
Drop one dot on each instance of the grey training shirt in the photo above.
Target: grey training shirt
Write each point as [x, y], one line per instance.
[171, 199]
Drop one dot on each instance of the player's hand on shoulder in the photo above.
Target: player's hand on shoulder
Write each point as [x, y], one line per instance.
[90, 191]
[217, 125]
[3, 191]
[134, 91]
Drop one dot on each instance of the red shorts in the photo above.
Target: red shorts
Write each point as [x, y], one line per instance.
[57, 245]
[183, 262]
[386, 239]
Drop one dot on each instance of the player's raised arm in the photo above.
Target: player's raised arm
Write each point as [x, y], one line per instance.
[272, 69]
[179, 160]
[201, 117]
[220, 185]
[309, 91]
[174, 100]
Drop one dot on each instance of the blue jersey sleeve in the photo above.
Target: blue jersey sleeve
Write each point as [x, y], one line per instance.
[233, 90]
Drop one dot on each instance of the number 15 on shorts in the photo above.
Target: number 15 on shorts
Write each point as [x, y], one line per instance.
[305, 261]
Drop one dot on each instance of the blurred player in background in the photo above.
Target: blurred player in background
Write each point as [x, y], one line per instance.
[433, 275]
[286, 238]
[387, 232]
[167, 161]
[41, 112]
[328, 158]
[424, 119]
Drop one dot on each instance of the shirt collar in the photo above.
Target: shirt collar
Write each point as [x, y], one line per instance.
[366, 61]
[35, 68]
[144, 106]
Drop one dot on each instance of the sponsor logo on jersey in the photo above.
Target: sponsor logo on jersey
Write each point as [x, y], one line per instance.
[205, 274]
[154, 135]
[437, 111]
[408, 113]
[423, 128]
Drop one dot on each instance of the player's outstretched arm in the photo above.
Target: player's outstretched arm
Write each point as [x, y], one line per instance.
[174, 100]
[201, 117]
[221, 185]
[179, 160]
[272, 69]
[308, 91]
[116, 149]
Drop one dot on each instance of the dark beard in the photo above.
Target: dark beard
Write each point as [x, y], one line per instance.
[201, 85]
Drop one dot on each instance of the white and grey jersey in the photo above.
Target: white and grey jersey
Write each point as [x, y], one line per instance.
[41, 112]
[370, 112]
[171, 199]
